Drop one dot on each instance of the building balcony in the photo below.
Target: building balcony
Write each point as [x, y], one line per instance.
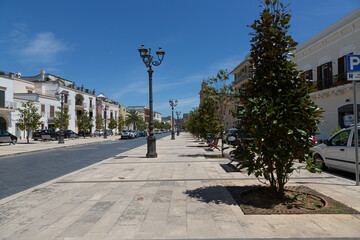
[9, 106]
[333, 81]
[80, 105]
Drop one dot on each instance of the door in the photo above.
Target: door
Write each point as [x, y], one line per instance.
[350, 166]
[2, 124]
[336, 152]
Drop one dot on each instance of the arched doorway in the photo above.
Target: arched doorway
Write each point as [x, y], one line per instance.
[2, 124]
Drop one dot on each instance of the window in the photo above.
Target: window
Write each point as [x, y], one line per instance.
[52, 111]
[104, 114]
[111, 115]
[2, 98]
[42, 108]
[340, 139]
[90, 114]
[324, 76]
[90, 103]
[66, 98]
[342, 63]
[307, 75]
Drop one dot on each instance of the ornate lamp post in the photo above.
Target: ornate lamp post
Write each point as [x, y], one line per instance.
[172, 104]
[60, 96]
[149, 62]
[178, 122]
[105, 108]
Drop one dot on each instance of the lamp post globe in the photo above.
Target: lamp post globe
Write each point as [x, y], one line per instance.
[149, 61]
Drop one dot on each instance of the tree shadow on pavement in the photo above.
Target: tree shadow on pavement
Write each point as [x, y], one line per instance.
[218, 194]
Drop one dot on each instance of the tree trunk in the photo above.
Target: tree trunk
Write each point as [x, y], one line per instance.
[28, 134]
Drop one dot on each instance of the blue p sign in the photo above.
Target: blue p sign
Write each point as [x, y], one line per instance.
[353, 63]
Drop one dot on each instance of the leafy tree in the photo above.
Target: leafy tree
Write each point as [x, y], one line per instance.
[157, 124]
[85, 121]
[99, 121]
[167, 126]
[142, 126]
[133, 118]
[112, 124]
[192, 125]
[66, 118]
[221, 90]
[278, 115]
[29, 118]
[121, 123]
[207, 118]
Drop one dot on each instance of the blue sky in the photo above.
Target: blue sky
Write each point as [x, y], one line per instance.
[95, 42]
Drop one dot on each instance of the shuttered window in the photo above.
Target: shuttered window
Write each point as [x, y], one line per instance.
[324, 76]
[2, 98]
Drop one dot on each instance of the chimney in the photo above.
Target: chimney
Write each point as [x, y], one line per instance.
[42, 73]
[11, 75]
[82, 87]
[18, 74]
[94, 92]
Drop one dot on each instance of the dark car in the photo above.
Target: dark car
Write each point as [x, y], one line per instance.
[4, 137]
[143, 134]
[44, 134]
[84, 133]
[70, 134]
[231, 135]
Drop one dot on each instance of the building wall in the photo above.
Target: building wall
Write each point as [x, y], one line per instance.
[328, 46]
[7, 111]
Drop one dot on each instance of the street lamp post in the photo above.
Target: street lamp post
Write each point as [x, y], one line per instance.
[105, 108]
[148, 60]
[172, 104]
[178, 122]
[60, 96]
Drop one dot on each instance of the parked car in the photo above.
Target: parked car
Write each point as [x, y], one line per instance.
[4, 137]
[230, 136]
[143, 134]
[157, 131]
[98, 133]
[109, 132]
[134, 133]
[69, 134]
[127, 134]
[84, 133]
[338, 152]
[44, 134]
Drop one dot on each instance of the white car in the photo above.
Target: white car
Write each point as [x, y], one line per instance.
[338, 152]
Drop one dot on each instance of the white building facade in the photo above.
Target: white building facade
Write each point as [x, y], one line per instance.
[7, 104]
[322, 59]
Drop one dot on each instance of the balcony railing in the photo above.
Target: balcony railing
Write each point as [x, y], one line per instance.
[9, 105]
[333, 81]
[82, 104]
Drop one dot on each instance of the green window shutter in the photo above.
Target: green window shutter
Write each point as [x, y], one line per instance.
[2, 98]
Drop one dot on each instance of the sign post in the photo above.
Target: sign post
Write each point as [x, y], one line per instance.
[353, 68]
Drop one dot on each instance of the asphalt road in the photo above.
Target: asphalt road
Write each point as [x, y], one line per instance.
[21, 172]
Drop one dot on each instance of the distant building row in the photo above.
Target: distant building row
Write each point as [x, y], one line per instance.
[41, 90]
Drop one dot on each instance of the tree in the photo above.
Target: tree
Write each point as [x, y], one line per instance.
[99, 121]
[29, 118]
[121, 123]
[85, 121]
[208, 122]
[192, 125]
[221, 90]
[157, 124]
[66, 117]
[278, 115]
[142, 126]
[133, 118]
[112, 124]
[167, 126]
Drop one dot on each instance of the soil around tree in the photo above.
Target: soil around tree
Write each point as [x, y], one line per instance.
[260, 200]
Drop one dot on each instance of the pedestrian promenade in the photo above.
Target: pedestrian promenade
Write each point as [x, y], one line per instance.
[23, 147]
[179, 195]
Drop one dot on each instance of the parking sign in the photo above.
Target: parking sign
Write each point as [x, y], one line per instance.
[353, 63]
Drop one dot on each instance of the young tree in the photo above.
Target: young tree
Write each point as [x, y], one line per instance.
[99, 121]
[157, 124]
[192, 125]
[112, 124]
[278, 115]
[167, 126]
[121, 123]
[57, 119]
[29, 118]
[133, 118]
[222, 91]
[207, 118]
[85, 122]
[142, 126]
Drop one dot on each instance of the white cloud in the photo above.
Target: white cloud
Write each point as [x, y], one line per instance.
[43, 48]
[183, 103]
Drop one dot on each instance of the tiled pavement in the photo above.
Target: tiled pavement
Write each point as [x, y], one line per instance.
[179, 195]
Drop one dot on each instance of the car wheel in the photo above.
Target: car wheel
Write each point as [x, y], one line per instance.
[14, 141]
[320, 162]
